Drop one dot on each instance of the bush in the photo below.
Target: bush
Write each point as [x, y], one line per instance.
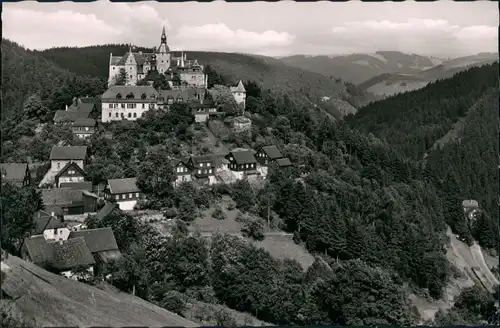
[170, 213]
[253, 229]
[218, 214]
[174, 302]
[231, 206]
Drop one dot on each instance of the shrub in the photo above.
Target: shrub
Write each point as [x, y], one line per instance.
[170, 213]
[218, 214]
[253, 228]
[174, 302]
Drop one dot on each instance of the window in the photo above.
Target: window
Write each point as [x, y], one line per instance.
[152, 97]
[122, 115]
[143, 106]
[129, 115]
[130, 76]
[109, 114]
[71, 172]
[199, 171]
[123, 196]
[137, 194]
[143, 96]
[119, 96]
[86, 128]
[135, 115]
[179, 100]
[209, 170]
[130, 96]
[170, 101]
[122, 105]
[58, 165]
[129, 195]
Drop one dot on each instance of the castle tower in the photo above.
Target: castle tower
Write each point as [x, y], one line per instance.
[163, 54]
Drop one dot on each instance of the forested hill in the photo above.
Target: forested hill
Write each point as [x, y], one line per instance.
[413, 121]
[269, 72]
[34, 87]
[462, 114]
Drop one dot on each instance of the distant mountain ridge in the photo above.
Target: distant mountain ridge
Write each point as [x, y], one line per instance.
[388, 72]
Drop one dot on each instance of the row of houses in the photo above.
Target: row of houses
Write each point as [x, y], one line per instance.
[239, 164]
[62, 249]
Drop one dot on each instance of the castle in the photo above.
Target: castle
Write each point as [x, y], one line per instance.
[136, 66]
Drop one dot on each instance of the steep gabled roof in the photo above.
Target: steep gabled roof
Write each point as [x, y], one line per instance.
[70, 254]
[115, 60]
[106, 210]
[243, 156]
[239, 88]
[13, 171]
[38, 249]
[68, 153]
[272, 152]
[121, 186]
[66, 168]
[45, 221]
[202, 159]
[98, 240]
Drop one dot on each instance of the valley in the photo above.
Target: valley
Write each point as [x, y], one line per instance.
[341, 212]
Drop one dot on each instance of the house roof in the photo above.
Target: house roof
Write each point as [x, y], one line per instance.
[82, 107]
[470, 203]
[70, 254]
[243, 156]
[39, 250]
[283, 162]
[115, 60]
[85, 185]
[242, 119]
[67, 167]
[89, 122]
[61, 196]
[98, 240]
[239, 88]
[106, 210]
[202, 159]
[13, 171]
[184, 94]
[69, 116]
[45, 221]
[120, 186]
[68, 152]
[272, 152]
[124, 90]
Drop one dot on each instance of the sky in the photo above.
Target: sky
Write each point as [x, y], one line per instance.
[442, 28]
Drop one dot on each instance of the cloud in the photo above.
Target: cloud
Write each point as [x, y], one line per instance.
[219, 37]
[425, 36]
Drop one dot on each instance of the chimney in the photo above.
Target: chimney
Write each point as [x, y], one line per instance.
[56, 235]
[66, 107]
[61, 242]
[52, 213]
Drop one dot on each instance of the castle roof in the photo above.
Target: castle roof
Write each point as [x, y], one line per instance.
[238, 88]
[124, 90]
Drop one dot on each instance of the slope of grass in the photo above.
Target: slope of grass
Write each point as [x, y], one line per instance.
[52, 300]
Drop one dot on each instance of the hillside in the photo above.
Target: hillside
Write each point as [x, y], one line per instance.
[387, 73]
[269, 72]
[35, 295]
[357, 68]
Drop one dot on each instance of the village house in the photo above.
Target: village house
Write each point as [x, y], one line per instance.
[61, 156]
[124, 191]
[58, 255]
[45, 221]
[240, 95]
[203, 169]
[190, 73]
[108, 209]
[83, 127]
[241, 123]
[205, 110]
[127, 102]
[242, 163]
[65, 201]
[17, 174]
[268, 155]
[101, 242]
[81, 108]
[71, 172]
[182, 172]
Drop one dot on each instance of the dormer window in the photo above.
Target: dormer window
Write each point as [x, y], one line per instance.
[170, 101]
[130, 96]
[143, 96]
[179, 100]
[152, 97]
[119, 96]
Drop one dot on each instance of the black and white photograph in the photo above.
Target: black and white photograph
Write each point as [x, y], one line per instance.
[249, 164]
